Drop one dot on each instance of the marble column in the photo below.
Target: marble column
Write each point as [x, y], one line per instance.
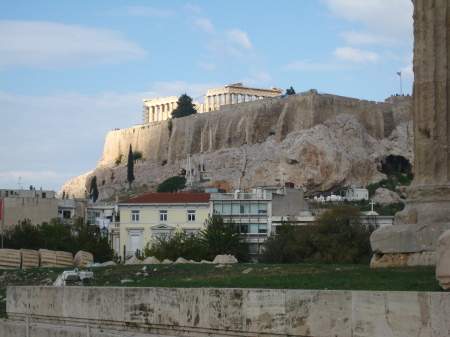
[427, 211]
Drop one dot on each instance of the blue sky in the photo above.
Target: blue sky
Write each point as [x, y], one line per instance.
[70, 71]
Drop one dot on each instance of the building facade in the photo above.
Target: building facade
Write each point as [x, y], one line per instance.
[253, 212]
[37, 205]
[144, 218]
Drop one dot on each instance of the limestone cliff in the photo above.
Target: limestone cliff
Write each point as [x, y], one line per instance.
[319, 141]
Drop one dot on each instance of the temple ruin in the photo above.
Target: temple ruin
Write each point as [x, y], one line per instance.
[413, 238]
[160, 109]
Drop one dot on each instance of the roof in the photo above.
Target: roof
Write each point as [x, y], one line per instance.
[169, 198]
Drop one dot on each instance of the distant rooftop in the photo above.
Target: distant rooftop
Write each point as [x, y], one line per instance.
[169, 198]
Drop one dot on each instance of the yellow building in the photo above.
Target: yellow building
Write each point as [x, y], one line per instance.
[144, 218]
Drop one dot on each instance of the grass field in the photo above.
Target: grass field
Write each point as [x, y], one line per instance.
[292, 276]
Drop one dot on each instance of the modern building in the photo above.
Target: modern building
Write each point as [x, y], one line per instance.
[144, 218]
[254, 212]
[36, 205]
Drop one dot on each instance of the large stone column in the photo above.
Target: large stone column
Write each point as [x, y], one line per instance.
[413, 238]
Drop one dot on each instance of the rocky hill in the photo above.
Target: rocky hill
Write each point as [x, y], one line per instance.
[319, 141]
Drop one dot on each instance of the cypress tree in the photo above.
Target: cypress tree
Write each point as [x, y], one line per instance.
[94, 189]
[130, 167]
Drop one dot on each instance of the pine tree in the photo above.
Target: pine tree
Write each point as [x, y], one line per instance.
[130, 167]
[93, 193]
[185, 107]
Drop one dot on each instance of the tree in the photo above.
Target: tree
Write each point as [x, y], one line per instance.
[290, 91]
[93, 192]
[220, 237]
[130, 167]
[185, 107]
[337, 236]
[172, 185]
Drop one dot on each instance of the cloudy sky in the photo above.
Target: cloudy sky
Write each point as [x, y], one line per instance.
[71, 71]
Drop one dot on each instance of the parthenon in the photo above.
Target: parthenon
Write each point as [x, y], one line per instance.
[159, 109]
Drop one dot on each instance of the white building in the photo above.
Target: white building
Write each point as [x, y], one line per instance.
[357, 194]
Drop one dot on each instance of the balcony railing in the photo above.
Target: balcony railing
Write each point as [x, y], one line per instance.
[241, 196]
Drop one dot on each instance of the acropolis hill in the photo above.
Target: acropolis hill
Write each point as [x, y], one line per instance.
[322, 142]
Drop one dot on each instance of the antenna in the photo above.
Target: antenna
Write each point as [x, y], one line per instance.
[20, 186]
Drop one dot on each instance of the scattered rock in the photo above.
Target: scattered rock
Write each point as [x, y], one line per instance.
[225, 259]
[134, 260]
[443, 260]
[206, 262]
[126, 280]
[167, 261]
[246, 271]
[151, 260]
[181, 260]
[109, 263]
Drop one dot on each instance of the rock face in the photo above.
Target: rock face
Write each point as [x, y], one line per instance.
[385, 196]
[320, 142]
[443, 260]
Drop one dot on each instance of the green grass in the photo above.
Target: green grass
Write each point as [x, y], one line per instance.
[270, 276]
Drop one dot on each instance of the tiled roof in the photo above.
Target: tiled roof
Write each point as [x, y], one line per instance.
[169, 198]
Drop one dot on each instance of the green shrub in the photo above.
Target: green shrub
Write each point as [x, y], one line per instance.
[119, 160]
[337, 236]
[172, 185]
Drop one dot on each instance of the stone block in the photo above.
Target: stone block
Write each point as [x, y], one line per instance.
[318, 313]
[226, 309]
[64, 259]
[395, 239]
[30, 258]
[264, 310]
[9, 259]
[82, 258]
[443, 260]
[47, 258]
[194, 307]
[225, 259]
[390, 314]
[440, 314]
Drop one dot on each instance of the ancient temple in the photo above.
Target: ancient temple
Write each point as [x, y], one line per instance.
[159, 109]
[413, 238]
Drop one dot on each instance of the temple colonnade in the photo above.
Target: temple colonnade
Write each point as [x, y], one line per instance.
[159, 109]
[236, 93]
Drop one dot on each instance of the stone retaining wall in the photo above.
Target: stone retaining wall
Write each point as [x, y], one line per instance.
[237, 312]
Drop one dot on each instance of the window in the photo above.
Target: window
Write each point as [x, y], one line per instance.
[162, 215]
[262, 208]
[135, 216]
[190, 215]
[218, 208]
[245, 208]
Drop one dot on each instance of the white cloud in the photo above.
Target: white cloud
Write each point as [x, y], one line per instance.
[383, 21]
[194, 8]
[205, 25]
[207, 65]
[238, 37]
[53, 45]
[353, 55]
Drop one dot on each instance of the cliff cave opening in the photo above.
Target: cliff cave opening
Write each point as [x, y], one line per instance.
[396, 164]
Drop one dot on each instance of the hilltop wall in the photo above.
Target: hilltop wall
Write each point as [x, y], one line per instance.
[250, 123]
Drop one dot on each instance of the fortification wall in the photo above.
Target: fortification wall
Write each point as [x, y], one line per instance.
[250, 123]
[202, 312]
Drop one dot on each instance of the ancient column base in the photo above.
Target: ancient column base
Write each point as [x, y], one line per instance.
[413, 239]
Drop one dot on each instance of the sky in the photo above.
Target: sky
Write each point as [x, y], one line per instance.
[71, 71]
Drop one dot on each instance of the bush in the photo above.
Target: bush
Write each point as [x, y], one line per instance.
[337, 236]
[182, 244]
[137, 155]
[172, 185]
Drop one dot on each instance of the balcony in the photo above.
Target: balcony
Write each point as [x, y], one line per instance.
[241, 196]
